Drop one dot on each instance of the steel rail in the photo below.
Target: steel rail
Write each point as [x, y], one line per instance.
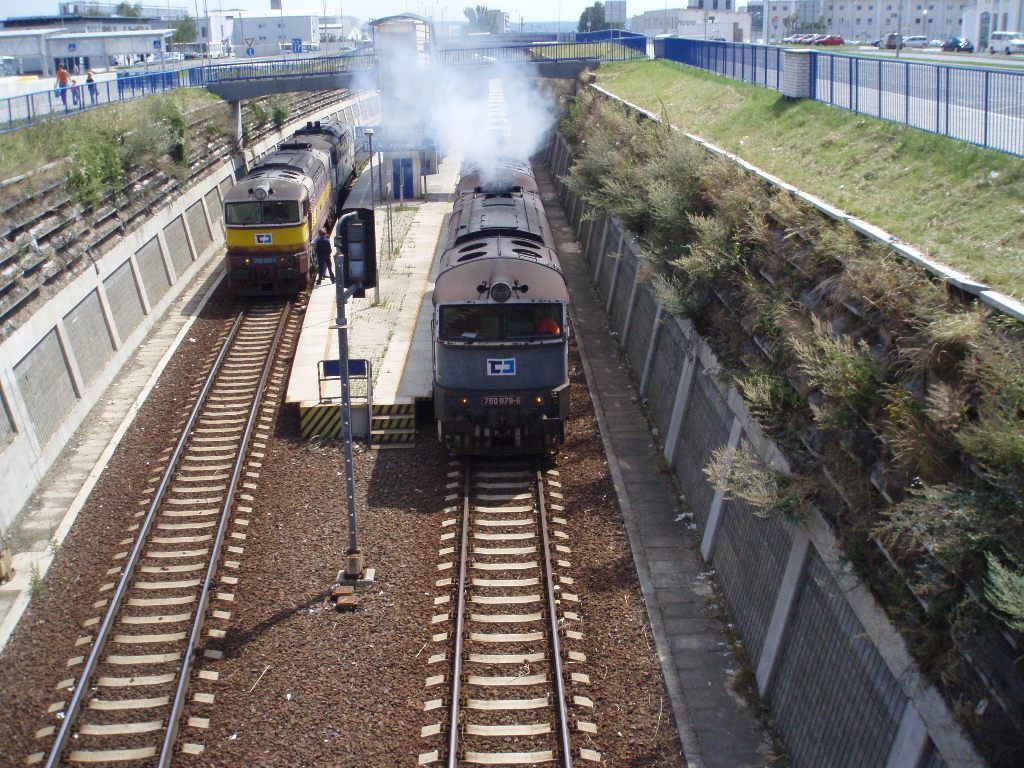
[171, 733]
[81, 689]
[556, 650]
[453, 720]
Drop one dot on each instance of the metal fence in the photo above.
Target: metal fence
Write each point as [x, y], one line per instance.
[974, 104]
[27, 108]
[758, 64]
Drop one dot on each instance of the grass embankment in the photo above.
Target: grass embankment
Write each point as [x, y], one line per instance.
[30, 148]
[962, 204]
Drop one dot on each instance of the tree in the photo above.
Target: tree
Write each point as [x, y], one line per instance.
[185, 30]
[592, 19]
[482, 19]
[789, 22]
[128, 10]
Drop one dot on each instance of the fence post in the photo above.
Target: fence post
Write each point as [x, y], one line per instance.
[984, 141]
[780, 612]
[715, 512]
[652, 345]
[906, 93]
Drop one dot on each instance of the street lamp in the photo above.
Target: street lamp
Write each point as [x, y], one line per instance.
[924, 19]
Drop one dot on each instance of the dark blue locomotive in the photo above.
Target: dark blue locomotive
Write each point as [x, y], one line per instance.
[500, 324]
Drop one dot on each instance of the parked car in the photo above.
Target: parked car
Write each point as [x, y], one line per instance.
[915, 41]
[889, 42]
[830, 40]
[958, 45]
[1006, 42]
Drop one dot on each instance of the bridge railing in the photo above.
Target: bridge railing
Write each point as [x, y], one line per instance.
[603, 50]
[28, 108]
[262, 70]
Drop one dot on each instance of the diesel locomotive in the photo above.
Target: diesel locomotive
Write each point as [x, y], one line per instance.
[273, 215]
[500, 320]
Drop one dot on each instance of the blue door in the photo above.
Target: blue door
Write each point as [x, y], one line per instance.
[401, 177]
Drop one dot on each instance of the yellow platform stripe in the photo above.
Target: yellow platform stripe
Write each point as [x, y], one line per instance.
[324, 420]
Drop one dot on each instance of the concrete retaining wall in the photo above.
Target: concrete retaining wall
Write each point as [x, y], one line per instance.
[842, 687]
[56, 366]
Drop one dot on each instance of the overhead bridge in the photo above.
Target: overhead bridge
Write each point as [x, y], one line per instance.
[237, 81]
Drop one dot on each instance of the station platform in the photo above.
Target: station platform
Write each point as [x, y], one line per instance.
[391, 332]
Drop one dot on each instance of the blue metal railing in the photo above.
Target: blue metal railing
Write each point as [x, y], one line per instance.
[974, 104]
[25, 109]
[759, 64]
[261, 70]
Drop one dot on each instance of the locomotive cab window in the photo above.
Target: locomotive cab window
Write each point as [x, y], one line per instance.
[274, 212]
[513, 322]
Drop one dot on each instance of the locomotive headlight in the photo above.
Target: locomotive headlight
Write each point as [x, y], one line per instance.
[463, 401]
[501, 292]
[246, 261]
[538, 400]
[285, 261]
[260, 193]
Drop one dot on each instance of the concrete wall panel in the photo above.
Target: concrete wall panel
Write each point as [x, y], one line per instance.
[46, 386]
[705, 428]
[750, 557]
[198, 227]
[125, 302]
[623, 288]
[834, 700]
[609, 262]
[87, 331]
[153, 269]
[666, 368]
[214, 206]
[641, 326]
[178, 246]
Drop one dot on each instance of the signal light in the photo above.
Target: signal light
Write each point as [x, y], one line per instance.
[357, 241]
[464, 401]
[538, 400]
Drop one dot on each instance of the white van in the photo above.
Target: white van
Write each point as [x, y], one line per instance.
[1006, 42]
[915, 41]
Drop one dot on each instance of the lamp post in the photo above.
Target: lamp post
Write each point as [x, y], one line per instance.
[924, 20]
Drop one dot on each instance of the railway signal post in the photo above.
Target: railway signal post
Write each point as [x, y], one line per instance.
[355, 266]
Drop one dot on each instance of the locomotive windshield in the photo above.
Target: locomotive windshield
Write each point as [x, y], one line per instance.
[267, 212]
[507, 322]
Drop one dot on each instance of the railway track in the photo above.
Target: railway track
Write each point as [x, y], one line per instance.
[512, 669]
[131, 689]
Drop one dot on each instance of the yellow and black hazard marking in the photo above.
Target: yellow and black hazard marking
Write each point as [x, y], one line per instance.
[395, 409]
[322, 420]
[393, 426]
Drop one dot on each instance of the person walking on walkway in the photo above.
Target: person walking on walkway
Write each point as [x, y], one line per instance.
[63, 81]
[94, 91]
[323, 249]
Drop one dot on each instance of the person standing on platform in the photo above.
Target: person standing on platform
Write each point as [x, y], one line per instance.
[94, 91]
[63, 81]
[322, 248]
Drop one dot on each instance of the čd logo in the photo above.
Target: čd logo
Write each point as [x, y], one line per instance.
[505, 367]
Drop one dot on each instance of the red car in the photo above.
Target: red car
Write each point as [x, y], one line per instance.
[830, 40]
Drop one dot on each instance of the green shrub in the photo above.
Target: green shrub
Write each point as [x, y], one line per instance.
[845, 371]
[95, 172]
[279, 111]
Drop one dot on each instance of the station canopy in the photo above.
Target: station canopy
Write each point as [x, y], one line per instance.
[58, 43]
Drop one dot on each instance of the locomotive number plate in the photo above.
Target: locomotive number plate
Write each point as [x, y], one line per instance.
[501, 400]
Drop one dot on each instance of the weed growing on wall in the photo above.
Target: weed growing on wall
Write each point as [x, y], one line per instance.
[904, 401]
[279, 111]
